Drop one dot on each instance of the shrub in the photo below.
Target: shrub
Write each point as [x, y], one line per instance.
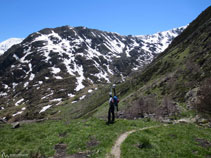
[142, 106]
[203, 103]
[144, 143]
[168, 108]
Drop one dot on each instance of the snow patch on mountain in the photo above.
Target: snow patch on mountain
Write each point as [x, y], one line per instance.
[19, 102]
[160, 40]
[80, 79]
[18, 113]
[45, 108]
[5, 45]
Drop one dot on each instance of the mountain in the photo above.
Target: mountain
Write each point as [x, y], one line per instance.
[55, 64]
[5, 45]
[177, 83]
[158, 42]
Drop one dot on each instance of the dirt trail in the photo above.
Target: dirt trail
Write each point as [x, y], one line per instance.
[115, 151]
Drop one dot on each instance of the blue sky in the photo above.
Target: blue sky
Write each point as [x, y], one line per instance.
[19, 18]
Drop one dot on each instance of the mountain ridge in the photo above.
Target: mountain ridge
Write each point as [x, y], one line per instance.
[54, 64]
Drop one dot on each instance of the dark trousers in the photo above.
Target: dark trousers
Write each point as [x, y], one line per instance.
[116, 105]
[111, 112]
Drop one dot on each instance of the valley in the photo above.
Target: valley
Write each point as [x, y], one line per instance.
[55, 88]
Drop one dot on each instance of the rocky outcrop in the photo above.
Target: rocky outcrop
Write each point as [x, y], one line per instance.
[191, 97]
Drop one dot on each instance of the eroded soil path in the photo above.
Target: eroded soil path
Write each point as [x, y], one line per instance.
[116, 151]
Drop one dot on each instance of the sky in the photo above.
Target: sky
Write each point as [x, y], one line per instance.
[19, 18]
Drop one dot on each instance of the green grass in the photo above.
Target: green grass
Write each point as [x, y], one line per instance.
[173, 141]
[85, 107]
[186, 113]
[40, 138]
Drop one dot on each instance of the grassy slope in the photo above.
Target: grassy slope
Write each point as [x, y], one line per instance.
[93, 136]
[40, 138]
[181, 68]
[179, 140]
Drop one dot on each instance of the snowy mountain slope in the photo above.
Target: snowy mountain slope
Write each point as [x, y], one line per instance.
[56, 63]
[5, 45]
[158, 42]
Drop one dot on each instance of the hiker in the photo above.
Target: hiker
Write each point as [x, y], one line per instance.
[111, 110]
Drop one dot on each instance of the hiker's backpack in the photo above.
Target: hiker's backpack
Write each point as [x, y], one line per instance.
[116, 100]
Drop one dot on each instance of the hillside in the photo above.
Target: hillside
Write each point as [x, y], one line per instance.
[178, 80]
[57, 64]
[171, 87]
[175, 85]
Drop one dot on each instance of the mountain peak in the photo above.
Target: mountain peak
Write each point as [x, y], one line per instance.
[5, 45]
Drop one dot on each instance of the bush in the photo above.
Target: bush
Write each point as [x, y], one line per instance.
[144, 143]
[142, 106]
[203, 103]
[168, 108]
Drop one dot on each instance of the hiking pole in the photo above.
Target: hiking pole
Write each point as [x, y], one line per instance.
[114, 89]
[110, 91]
